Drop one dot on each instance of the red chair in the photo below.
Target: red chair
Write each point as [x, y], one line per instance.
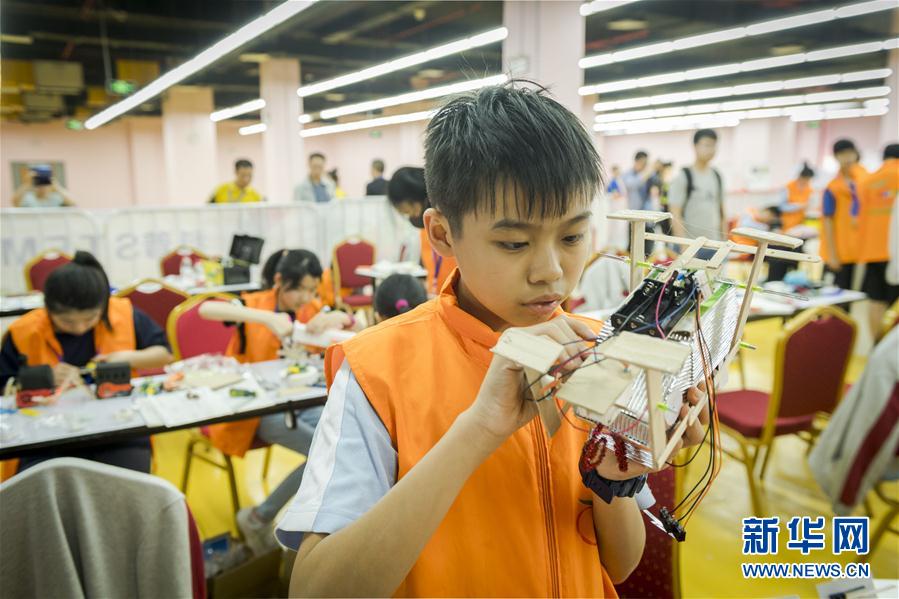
[349, 255]
[658, 573]
[171, 262]
[39, 268]
[812, 354]
[190, 335]
[154, 298]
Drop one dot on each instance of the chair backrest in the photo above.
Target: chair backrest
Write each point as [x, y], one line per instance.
[39, 268]
[171, 262]
[155, 298]
[811, 357]
[349, 255]
[658, 573]
[191, 335]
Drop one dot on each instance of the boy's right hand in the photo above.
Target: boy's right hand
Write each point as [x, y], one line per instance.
[501, 407]
[66, 374]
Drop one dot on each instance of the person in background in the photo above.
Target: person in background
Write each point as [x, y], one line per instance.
[339, 193]
[291, 279]
[408, 194]
[839, 210]
[316, 187]
[238, 190]
[657, 190]
[615, 188]
[635, 183]
[397, 294]
[877, 195]
[696, 195]
[795, 198]
[81, 323]
[41, 190]
[378, 185]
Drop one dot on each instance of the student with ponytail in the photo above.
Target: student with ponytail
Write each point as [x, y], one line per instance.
[82, 323]
[397, 294]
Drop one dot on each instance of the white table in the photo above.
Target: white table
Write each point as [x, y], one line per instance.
[78, 419]
[382, 270]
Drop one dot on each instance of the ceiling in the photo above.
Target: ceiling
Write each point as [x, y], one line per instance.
[138, 39]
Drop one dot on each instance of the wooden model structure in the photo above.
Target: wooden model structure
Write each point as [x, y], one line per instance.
[635, 383]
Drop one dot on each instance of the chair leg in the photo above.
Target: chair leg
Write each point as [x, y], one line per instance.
[232, 484]
[769, 449]
[749, 460]
[881, 530]
[187, 460]
[267, 461]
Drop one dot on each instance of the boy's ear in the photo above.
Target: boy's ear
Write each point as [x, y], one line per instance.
[439, 234]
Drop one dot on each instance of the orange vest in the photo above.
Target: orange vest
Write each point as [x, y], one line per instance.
[438, 267]
[235, 438]
[877, 195]
[33, 334]
[513, 529]
[798, 196]
[844, 225]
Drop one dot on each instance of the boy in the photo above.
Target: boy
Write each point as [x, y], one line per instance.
[839, 207]
[430, 475]
[696, 195]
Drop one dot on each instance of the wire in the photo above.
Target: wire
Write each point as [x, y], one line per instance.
[659, 305]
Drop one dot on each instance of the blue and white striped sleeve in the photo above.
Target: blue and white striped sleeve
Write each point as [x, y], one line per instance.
[352, 465]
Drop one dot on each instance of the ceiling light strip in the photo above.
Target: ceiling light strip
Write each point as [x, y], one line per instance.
[252, 129]
[233, 111]
[743, 67]
[248, 32]
[369, 123]
[475, 41]
[735, 33]
[591, 8]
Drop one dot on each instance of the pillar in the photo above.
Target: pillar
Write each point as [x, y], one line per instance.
[189, 145]
[285, 163]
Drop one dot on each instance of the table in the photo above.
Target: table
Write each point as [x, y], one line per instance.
[78, 420]
[17, 305]
[771, 306]
[382, 270]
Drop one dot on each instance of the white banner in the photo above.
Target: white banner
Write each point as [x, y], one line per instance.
[130, 242]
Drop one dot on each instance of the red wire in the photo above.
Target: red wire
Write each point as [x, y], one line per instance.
[658, 305]
[577, 525]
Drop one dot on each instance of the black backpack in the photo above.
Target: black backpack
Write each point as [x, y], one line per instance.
[690, 188]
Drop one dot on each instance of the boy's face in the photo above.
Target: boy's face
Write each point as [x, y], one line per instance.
[515, 271]
[243, 176]
[846, 158]
[705, 149]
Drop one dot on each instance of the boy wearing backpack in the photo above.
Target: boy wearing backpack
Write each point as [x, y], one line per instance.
[696, 195]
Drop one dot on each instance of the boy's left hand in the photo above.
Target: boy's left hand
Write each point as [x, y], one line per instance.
[693, 435]
[324, 321]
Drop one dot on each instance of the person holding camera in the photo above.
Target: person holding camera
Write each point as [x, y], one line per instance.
[42, 190]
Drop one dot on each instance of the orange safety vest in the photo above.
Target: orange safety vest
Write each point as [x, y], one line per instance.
[845, 227]
[438, 267]
[33, 334]
[513, 529]
[877, 194]
[235, 438]
[799, 196]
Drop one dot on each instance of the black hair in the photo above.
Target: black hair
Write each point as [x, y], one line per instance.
[775, 210]
[807, 171]
[378, 165]
[293, 266]
[242, 163]
[640, 154]
[79, 285]
[316, 155]
[891, 151]
[408, 185]
[704, 133]
[841, 145]
[504, 137]
[397, 294]
[334, 177]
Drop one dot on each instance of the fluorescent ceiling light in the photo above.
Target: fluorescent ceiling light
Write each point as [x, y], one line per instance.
[251, 129]
[369, 123]
[750, 88]
[783, 101]
[591, 8]
[735, 33]
[248, 32]
[729, 69]
[227, 113]
[482, 39]
[427, 94]
[305, 118]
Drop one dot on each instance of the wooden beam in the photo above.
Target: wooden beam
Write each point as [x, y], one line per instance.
[738, 247]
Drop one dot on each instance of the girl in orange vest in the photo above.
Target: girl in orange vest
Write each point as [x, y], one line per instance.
[81, 323]
[407, 193]
[292, 278]
[839, 209]
[796, 199]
